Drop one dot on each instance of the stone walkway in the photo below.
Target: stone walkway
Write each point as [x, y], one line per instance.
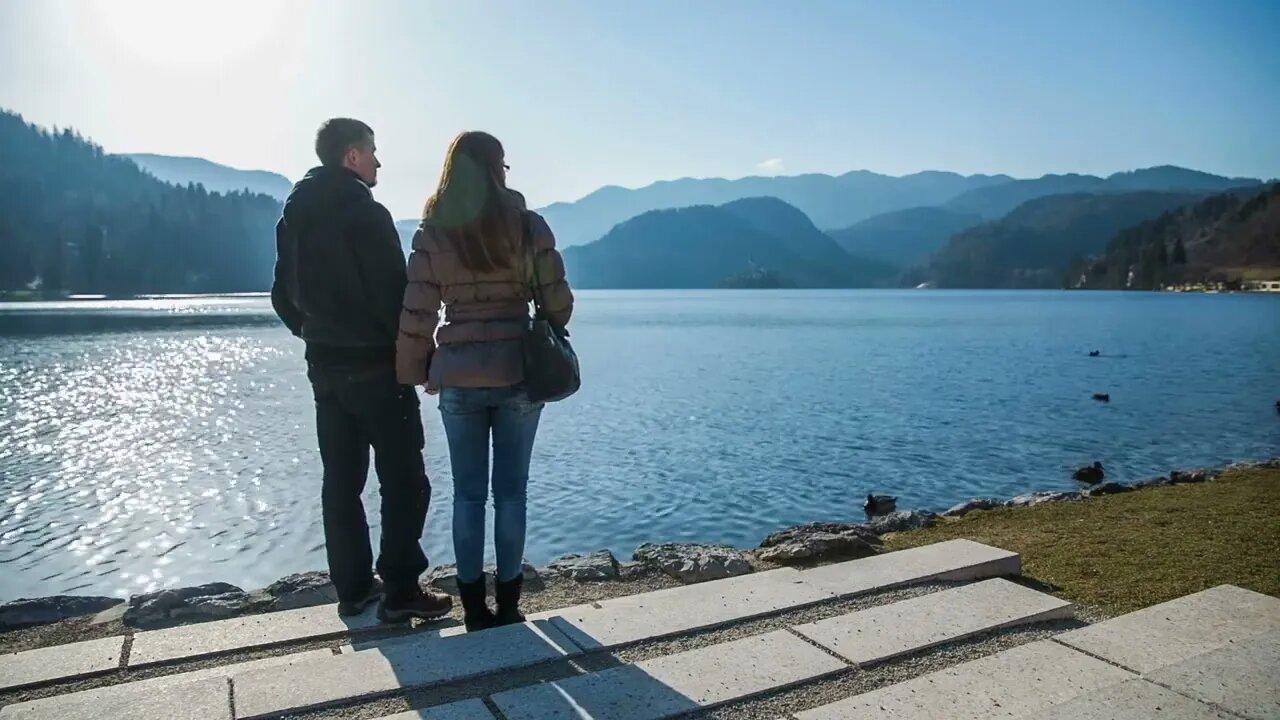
[1215, 654]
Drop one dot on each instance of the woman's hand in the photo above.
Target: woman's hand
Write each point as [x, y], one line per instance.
[431, 389]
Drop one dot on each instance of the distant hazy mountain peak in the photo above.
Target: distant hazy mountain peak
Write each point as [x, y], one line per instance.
[179, 170]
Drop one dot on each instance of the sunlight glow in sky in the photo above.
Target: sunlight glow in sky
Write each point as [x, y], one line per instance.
[586, 93]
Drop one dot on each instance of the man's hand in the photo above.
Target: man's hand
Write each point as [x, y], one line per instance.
[431, 389]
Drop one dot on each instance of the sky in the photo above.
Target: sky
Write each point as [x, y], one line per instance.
[587, 93]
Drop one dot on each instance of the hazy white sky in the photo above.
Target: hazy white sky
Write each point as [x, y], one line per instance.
[599, 92]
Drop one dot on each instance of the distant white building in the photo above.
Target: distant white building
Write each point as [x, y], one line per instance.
[1264, 286]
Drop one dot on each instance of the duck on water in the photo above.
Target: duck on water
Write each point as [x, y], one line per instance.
[880, 504]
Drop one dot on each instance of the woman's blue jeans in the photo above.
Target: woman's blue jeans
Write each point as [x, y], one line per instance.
[471, 417]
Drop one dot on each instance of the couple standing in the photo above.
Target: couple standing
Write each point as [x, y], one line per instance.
[370, 328]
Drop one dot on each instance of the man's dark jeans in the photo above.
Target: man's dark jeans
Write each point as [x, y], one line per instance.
[358, 408]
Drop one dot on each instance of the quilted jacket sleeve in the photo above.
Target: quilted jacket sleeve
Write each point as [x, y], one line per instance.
[419, 316]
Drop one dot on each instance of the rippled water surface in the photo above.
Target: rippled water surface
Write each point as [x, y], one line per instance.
[160, 442]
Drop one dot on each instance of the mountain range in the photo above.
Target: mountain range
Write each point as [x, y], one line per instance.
[904, 238]
[75, 219]
[706, 246]
[829, 201]
[1222, 238]
[997, 200]
[1034, 244]
[214, 177]
[125, 223]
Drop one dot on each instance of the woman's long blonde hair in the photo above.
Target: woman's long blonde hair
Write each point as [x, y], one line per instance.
[473, 206]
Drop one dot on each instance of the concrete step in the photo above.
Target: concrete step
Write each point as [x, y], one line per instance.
[1168, 633]
[1025, 680]
[884, 632]
[464, 710]
[417, 660]
[244, 633]
[650, 616]
[1130, 700]
[60, 662]
[370, 674]
[675, 684]
[189, 690]
[1211, 655]
[1243, 677]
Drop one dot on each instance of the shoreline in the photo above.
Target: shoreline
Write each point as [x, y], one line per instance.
[571, 579]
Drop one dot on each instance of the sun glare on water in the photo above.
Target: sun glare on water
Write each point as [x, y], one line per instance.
[186, 33]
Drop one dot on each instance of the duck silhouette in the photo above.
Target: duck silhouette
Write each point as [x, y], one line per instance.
[879, 504]
[1102, 397]
[1091, 474]
[1095, 353]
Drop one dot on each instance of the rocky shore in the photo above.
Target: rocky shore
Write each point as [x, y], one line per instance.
[652, 564]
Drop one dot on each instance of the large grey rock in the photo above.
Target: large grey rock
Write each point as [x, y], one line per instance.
[445, 577]
[213, 607]
[694, 562]
[299, 590]
[818, 541]
[1044, 496]
[42, 611]
[1159, 481]
[1107, 488]
[155, 609]
[592, 567]
[1195, 475]
[903, 520]
[968, 506]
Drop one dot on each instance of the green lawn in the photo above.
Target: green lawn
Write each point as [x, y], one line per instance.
[1120, 553]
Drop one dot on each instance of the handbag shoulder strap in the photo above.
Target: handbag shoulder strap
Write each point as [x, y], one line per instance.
[529, 255]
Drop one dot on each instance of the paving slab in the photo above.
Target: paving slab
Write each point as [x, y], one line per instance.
[121, 694]
[950, 560]
[1243, 677]
[465, 710]
[634, 618]
[1027, 679]
[379, 671]
[1130, 700]
[1166, 634]
[60, 662]
[243, 633]
[206, 699]
[884, 632]
[674, 684]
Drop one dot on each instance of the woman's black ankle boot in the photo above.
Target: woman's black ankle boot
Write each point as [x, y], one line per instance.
[476, 614]
[508, 596]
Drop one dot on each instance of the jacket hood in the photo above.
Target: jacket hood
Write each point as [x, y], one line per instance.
[321, 192]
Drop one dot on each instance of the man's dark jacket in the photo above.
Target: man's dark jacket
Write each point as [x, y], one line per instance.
[340, 271]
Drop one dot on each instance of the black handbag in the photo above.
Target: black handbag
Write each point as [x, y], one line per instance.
[550, 365]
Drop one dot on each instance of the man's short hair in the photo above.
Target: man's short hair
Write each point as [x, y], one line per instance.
[336, 135]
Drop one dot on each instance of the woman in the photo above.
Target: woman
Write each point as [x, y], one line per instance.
[476, 254]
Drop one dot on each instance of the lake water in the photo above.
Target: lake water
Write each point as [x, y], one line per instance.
[168, 442]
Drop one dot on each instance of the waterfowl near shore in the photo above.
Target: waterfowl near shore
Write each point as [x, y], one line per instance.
[880, 504]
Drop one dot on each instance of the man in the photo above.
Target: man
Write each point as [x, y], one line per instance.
[339, 284]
